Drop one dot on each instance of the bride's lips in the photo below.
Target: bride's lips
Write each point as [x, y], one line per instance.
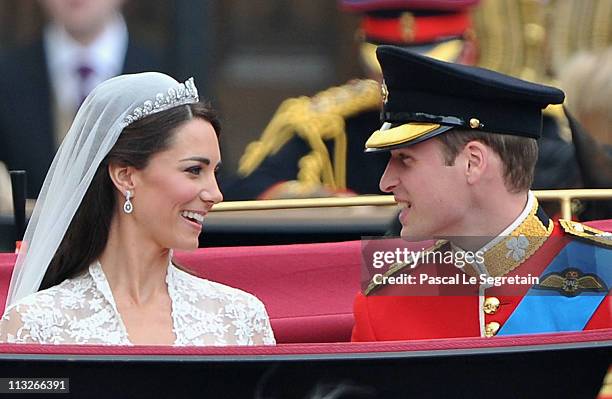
[194, 218]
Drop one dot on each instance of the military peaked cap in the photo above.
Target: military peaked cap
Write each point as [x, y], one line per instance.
[424, 97]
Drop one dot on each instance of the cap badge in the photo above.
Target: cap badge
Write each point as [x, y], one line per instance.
[407, 26]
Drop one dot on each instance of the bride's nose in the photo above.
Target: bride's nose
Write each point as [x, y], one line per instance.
[211, 192]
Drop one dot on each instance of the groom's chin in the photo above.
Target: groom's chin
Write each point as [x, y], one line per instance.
[408, 234]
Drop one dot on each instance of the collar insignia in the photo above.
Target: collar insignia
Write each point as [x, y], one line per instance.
[571, 282]
[407, 25]
[515, 248]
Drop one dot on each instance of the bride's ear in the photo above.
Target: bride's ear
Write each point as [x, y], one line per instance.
[122, 177]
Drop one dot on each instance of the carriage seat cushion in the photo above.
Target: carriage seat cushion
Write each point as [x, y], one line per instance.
[308, 289]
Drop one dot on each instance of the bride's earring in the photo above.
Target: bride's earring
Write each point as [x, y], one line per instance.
[127, 206]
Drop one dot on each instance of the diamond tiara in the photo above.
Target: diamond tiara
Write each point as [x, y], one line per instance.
[185, 93]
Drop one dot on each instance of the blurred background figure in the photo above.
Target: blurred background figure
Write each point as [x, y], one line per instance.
[537, 40]
[83, 43]
[313, 146]
[587, 81]
[250, 56]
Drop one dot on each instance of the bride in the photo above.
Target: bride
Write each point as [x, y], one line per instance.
[133, 179]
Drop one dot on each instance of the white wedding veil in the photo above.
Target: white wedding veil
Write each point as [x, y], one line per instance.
[108, 109]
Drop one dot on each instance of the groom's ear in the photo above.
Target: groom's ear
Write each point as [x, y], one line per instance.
[122, 177]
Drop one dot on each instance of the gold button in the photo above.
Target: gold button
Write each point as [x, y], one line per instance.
[474, 123]
[490, 305]
[491, 329]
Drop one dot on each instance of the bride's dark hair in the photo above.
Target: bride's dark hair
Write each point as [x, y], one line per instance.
[87, 234]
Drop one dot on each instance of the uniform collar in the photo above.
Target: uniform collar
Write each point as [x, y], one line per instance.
[513, 246]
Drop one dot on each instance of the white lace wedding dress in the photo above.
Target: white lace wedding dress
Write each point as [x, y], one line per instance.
[82, 310]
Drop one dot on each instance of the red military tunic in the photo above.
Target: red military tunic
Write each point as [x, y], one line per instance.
[382, 316]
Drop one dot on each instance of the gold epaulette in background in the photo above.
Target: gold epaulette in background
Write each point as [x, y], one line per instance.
[586, 232]
[511, 37]
[398, 267]
[534, 39]
[315, 119]
[576, 26]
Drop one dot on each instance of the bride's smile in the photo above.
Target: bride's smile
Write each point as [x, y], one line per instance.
[177, 188]
[149, 151]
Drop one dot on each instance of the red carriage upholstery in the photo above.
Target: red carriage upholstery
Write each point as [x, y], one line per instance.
[542, 341]
[308, 289]
[7, 261]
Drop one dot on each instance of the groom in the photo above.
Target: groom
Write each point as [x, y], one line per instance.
[462, 145]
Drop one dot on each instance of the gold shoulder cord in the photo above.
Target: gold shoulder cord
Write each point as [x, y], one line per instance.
[315, 120]
[587, 233]
[275, 135]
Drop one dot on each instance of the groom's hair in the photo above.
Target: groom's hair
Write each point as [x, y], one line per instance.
[87, 234]
[518, 154]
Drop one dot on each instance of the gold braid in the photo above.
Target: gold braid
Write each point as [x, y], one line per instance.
[275, 135]
[534, 40]
[578, 25]
[602, 28]
[315, 120]
[534, 36]
[498, 27]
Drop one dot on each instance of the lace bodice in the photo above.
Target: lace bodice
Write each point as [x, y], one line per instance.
[82, 310]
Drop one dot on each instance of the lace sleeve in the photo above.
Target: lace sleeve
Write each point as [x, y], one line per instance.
[246, 320]
[263, 334]
[13, 330]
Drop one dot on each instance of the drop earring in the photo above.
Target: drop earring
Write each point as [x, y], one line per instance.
[127, 206]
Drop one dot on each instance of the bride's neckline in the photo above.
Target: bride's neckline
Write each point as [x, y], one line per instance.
[99, 277]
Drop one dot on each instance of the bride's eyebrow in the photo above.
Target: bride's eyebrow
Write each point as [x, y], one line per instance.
[203, 160]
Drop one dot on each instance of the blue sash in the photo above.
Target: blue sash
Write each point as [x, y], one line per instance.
[543, 311]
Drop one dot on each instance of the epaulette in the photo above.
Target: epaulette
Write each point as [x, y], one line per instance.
[397, 267]
[587, 233]
[315, 119]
